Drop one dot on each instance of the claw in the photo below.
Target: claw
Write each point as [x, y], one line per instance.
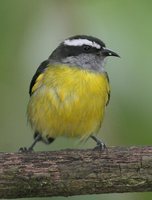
[30, 149]
[100, 146]
[25, 150]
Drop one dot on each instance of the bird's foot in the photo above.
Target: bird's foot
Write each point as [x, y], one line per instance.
[100, 146]
[25, 150]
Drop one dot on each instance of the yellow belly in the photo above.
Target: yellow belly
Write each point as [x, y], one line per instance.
[68, 102]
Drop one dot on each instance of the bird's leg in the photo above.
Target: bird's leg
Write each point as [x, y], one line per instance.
[100, 145]
[36, 139]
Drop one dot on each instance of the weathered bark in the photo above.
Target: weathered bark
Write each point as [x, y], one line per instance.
[75, 172]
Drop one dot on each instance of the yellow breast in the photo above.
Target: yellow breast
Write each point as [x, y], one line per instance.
[68, 101]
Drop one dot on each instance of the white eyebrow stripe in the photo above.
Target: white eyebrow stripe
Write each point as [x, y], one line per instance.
[81, 42]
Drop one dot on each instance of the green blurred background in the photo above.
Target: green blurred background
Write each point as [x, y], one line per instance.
[31, 29]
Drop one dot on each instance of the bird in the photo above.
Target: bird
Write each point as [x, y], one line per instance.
[69, 91]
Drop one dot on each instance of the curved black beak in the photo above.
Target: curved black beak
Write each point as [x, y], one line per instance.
[108, 52]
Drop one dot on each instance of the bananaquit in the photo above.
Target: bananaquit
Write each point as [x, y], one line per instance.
[69, 91]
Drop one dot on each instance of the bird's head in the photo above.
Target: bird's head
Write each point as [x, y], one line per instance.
[82, 51]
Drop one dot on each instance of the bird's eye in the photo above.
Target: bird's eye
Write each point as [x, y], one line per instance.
[86, 47]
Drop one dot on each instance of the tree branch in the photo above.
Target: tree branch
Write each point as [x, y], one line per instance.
[75, 172]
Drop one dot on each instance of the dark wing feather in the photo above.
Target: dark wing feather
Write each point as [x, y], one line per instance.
[108, 98]
[109, 89]
[39, 71]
